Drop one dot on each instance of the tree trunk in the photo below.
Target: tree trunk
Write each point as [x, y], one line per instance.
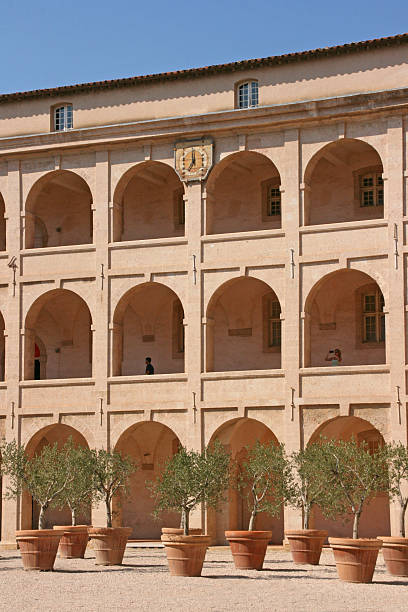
[186, 522]
[108, 513]
[403, 508]
[356, 524]
[251, 526]
[306, 516]
[41, 518]
[73, 516]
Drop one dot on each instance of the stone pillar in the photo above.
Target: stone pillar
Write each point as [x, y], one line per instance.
[395, 303]
[291, 179]
[13, 324]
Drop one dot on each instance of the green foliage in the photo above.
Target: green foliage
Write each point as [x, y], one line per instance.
[306, 483]
[262, 480]
[397, 460]
[44, 476]
[111, 474]
[190, 478]
[78, 493]
[352, 476]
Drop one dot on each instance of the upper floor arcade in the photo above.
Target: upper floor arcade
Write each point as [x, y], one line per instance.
[339, 184]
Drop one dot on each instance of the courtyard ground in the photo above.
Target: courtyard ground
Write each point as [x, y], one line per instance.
[143, 583]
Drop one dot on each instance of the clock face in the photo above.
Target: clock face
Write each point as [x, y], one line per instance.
[193, 160]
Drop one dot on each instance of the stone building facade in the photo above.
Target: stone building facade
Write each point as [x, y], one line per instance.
[235, 223]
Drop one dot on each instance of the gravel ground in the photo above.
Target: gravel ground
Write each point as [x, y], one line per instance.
[143, 583]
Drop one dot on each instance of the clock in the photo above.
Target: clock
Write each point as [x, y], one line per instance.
[193, 159]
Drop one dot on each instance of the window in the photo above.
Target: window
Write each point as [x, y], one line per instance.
[273, 202]
[373, 317]
[272, 323]
[63, 118]
[247, 94]
[371, 190]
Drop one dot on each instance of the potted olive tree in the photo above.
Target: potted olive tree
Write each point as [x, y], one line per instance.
[306, 488]
[395, 548]
[77, 495]
[353, 476]
[262, 483]
[111, 474]
[44, 476]
[188, 479]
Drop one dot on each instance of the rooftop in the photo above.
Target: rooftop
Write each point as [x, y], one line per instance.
[192, 73]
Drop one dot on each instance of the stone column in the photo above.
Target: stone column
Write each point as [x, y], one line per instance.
[193, 316]
[395, 304]
[291, 179]
[13, 324]
[100, 350]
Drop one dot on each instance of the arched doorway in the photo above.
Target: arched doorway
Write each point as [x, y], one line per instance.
[344, 183]
[148, 322]
[148, 203]
[345, 310]
[243, 327]
[50, 435]
[150, 444]
[58, 211]
[58, 337]
[243, 194]
[236, 435]
[375, 520]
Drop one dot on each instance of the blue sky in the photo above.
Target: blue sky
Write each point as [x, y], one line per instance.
[46, 44]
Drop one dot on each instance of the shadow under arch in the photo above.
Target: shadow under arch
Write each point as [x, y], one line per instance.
[243, 194]
[62, 320]
[58, 211]
[339, 179]
[375, 518]
[243, 327]
[148, 203]
[150, 444]
[236, 435]
[345, 309]
[56, 433]
[148, 320]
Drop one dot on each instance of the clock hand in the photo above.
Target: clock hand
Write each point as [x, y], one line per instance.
[193, 159]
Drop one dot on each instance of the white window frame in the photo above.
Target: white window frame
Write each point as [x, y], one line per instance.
[63, 117]
[248, 94]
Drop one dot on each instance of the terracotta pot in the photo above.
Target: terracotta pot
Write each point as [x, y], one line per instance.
[179, 531]
[185, 554]
[109, 544]
[73, 542]
[306, 545]
[395, 553]
[248, 548]
[38, 548]
[355, 559]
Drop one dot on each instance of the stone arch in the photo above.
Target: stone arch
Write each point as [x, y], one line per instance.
[2, 224]
[235, 435]
[148, 203]
[335, 317]
[376, 520]
[334, 183]
[243, 326]
[58, 211]
[61, 320]
[148, 321]
[150, 444]
[243, 194]
[55, 433]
